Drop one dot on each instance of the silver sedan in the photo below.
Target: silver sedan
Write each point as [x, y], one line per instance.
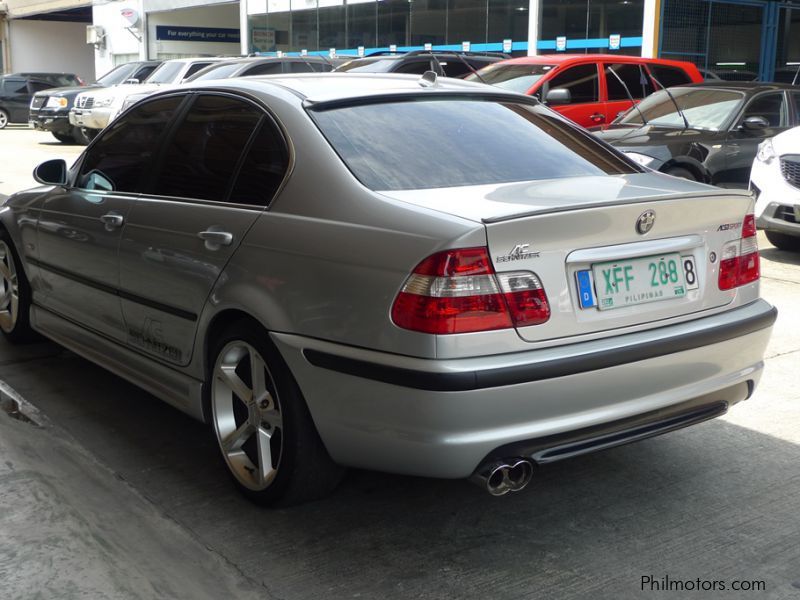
[414, 275]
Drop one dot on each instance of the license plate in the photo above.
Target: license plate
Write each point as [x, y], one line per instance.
[640, 280]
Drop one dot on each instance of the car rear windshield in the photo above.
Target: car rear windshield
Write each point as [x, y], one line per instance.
[118, 74]
[447, 142]
[219, 71]
[517, 78]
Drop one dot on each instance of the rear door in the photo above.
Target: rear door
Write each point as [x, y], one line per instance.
[16, 98]
[624, 81]
[582, 81]
[215, 175]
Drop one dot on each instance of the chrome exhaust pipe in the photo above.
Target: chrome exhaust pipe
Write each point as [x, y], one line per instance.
[502, 476]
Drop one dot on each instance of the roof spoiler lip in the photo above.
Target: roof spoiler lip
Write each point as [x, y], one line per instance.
[402, 95]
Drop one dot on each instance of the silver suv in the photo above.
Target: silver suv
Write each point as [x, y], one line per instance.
[420, 276]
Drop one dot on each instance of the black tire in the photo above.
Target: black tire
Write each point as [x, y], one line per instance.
[14, 321]
[681, 172]
[64, 138]
[783, 241]
[83, 136]
[3, 118]
[303, 471]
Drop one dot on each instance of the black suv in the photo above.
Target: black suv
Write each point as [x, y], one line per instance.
[17, 89]
[449, 64]
[49, 109]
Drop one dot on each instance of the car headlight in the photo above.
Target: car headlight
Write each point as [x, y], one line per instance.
[642, 159]
[56, 102]
[107, 101]
[766, 152]
[132, 99]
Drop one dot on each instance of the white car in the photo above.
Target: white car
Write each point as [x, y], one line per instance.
[775, 179]
[96, 108]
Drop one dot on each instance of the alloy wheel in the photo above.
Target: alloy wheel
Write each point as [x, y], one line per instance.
[9, 289]
[3, 119]
[247, 415]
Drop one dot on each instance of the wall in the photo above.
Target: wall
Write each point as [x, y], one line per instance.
[216, 15]
[118, 39]
[50, 46]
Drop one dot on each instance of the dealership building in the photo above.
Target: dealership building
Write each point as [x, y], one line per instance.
[756, 38]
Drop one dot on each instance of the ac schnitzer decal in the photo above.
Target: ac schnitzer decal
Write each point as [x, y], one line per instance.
[729, 226]
[518, 252]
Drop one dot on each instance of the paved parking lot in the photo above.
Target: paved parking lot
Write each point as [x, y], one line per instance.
[705, 507]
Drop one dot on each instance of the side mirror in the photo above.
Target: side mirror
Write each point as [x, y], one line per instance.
[755, 123]
[51, 172]
[558, 96]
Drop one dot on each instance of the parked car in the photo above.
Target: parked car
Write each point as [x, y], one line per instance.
[590, 89]
[443, 63]
[708, 132]
[254, 252]
[94, 109]
[265, 65]
[49, 109]
[775, 179]
[17, 89]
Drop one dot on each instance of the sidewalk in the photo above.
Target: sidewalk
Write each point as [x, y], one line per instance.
[71, 529]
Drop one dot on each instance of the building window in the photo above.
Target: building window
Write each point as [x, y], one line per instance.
[588, 24]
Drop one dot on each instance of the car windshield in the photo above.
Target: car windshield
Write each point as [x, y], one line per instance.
[218, 71]
[704, 108]
[117, 75]
[517, 78]
[447, 142]
[368, 65]
[165, 73]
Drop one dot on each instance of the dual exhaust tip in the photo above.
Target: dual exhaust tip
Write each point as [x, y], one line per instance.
[503, 476]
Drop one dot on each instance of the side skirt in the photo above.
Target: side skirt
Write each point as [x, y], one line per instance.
[181, 391]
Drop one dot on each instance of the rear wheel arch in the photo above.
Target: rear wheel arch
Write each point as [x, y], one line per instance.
[687, 164]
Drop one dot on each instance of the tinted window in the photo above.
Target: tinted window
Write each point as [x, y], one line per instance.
[669, 76]
[15, 86]
[194, 69]
[220, 71]
[417, 67]
[580, 80]
[703, 108]
[272, 68]
[263, 168]
[455, 68]
[119, 158]
[632, 76]
[307, 67]
[117, 75]
[202, 156]
[461, 142]
[38, 86]
[770, 106]
[144, 72]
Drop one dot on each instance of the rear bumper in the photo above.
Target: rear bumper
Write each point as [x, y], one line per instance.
[442, 418]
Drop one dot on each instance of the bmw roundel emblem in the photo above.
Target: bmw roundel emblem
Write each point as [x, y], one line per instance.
[646, 221]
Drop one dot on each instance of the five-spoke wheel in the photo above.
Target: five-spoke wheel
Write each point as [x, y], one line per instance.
[15, 294]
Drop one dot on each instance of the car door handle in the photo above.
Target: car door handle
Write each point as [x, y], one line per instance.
[215, 239]
[598, 118]
[112, 220]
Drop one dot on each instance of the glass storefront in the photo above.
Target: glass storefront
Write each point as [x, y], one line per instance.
[588, 26]
[319, 25]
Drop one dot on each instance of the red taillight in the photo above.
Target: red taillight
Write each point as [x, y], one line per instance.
[739, 263]
[456, 291]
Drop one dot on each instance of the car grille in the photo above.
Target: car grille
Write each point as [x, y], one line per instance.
[85, 102]
[786, 213]
[790, 169]
[38, 101]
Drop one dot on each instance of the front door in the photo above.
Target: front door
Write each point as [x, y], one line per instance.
[582, 82]
[198, 208]
[80, 227]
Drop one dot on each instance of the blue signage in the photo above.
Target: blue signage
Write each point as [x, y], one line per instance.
[197, 34]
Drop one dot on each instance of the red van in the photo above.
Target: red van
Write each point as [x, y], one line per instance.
[590, 89]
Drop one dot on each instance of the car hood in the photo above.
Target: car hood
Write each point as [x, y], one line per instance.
[72, 90]
[787, 142]
[511, 200]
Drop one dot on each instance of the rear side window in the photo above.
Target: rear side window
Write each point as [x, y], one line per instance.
[457, 142]
[580, 80]
[634, 77]
[669, 76]
[194, 69]
[15, 86]
[455, 68]
[263, 168]
[117, 161]
[202, 156]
